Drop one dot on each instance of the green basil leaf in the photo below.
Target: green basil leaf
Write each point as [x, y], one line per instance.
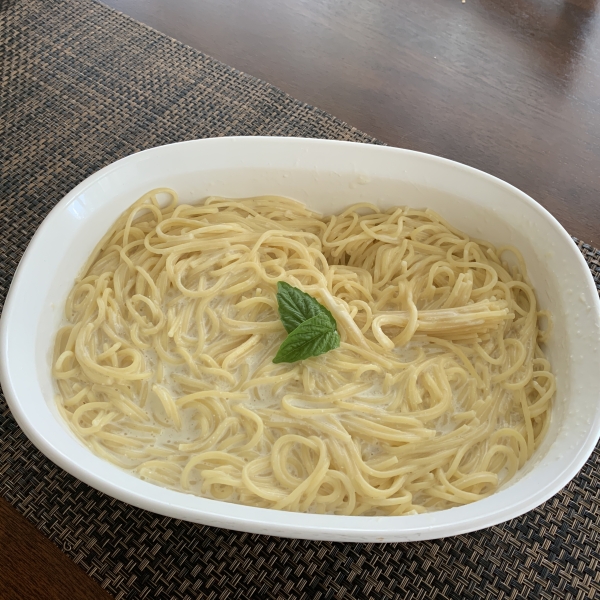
[296, 306]
[311, 338]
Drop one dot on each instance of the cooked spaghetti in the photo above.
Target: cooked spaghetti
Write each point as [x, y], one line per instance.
[438, 393]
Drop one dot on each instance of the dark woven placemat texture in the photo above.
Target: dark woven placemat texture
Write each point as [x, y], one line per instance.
[82, 86]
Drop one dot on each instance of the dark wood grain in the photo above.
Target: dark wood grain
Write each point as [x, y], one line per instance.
[510, 87]
[33, 568]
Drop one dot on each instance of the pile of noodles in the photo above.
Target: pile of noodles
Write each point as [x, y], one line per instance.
[438, 393]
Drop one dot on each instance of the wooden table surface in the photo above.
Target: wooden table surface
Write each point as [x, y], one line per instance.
[511, 87]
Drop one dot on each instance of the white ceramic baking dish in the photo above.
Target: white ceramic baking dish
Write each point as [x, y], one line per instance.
[327, 176]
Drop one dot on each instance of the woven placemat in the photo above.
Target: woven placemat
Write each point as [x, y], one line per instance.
[82, 86]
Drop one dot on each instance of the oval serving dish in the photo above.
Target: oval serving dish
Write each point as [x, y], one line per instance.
[327, 176]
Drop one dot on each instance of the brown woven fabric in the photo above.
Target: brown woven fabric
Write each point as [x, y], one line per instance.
[82, 86]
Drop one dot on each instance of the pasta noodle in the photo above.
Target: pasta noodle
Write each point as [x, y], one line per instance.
[438, 393]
